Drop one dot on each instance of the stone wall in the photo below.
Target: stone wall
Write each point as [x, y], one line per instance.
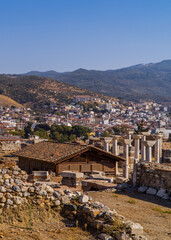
[15, 191]
[166, 154]
[153, 178]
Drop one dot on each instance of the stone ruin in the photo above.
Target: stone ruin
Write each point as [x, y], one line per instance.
[15, 190]
[154, 179]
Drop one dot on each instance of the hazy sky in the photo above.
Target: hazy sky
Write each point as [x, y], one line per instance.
[65, 35]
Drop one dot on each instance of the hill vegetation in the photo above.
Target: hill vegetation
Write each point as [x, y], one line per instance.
[8, 102]
[150, 81]
[35, 91]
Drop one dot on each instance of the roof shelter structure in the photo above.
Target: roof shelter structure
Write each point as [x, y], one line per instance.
[58, 157]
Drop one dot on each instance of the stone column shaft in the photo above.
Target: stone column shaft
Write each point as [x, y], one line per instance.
[157, 151]
[143, 149]
[115, 146]
[149, 144]
[106, 147]
[127, 144]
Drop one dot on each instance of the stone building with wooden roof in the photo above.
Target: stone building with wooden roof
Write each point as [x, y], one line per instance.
[57, 157]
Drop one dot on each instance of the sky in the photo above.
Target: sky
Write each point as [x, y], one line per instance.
[64, 35]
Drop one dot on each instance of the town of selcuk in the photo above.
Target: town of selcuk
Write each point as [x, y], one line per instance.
[85, 148]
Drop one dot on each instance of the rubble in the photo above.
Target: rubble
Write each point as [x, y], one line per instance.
[74, 205]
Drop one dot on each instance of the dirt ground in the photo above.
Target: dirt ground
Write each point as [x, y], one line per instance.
[152, 213]
[39, 224]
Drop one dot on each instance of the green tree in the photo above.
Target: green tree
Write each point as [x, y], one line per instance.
[105, 134]
[42, 127]
[141, 127]
[28, 130]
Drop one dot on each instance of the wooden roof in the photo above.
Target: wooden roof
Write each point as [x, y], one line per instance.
[57, 152]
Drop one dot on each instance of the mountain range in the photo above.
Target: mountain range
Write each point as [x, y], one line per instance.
[143, 81]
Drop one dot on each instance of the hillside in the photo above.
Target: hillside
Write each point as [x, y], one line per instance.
[150, 81]
[35, 91]
[8, 102]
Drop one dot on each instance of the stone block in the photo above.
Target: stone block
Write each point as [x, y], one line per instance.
[136, 229]
[161, 192]
[151, 191]
[9, 202]
[49, 189]
[84, 199]
[56, 194]
[104, 236]
[142, 189]
[16, 188]
[2, 189]
[42, 193]
[70, 207]
[70, 174]
[98, 172]
[57, 203]
[86, 209]
[17, 200]
[65, 199]
[165, 196]
[94, 212]
[6, 176]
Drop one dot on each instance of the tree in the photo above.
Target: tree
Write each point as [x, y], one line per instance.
[28, 130]
[141, 128]
[105, 134]
[40, 127]
[42, 134]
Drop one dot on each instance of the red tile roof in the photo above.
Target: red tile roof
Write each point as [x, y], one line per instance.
[56, 152]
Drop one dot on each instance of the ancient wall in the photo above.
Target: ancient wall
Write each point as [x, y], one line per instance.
[154, 175]
[166, 154]
[16, 191]
[30, 165]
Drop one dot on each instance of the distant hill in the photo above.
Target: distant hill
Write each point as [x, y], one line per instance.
[8, 102]
[35, 91]
[150, 81]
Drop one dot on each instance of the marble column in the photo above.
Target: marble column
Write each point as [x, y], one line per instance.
[143, 147]
[137, 146]
[157, 146]
[149, 144]
[115, 149]
[127, 143]
[115, 144]
[107, 141]
[129, 136]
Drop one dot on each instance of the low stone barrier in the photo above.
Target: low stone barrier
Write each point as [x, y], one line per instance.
[154, 179]
[15, 190]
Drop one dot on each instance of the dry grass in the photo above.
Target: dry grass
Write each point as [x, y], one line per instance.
[131, 201]
[33, 222]
[8, 102]
[158, 209]
[115, 195]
